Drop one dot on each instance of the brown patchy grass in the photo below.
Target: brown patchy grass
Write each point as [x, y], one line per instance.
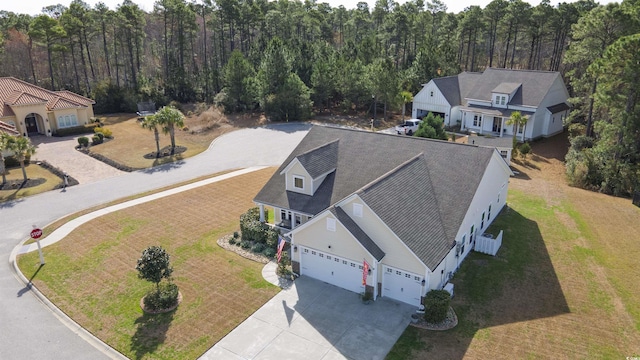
[564, 285]
[91, 274]
[34, 171]
[131, 142]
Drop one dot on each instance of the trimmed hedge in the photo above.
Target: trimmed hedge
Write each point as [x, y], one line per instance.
[164, 298]
[77, 130]
[436, 306]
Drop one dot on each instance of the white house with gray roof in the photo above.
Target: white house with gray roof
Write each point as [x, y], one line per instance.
[410, 207]
[483, 102]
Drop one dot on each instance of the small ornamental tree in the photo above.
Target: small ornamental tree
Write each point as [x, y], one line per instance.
[154, 265]
[525, 149]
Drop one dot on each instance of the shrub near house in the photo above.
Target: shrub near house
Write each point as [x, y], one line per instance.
[256, 235]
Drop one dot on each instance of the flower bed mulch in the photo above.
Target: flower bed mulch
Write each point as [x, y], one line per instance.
[21, 184]
[449, 322]
[164, 152]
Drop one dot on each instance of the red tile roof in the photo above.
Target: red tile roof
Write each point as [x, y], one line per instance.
[9, 129]
[17, 92]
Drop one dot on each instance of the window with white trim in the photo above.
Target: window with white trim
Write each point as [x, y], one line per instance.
[298, 182]
[331, 224]
[520, 128]
[503, 100]
[477, 120]
[65, 121]
[503, 153]
[357, 210]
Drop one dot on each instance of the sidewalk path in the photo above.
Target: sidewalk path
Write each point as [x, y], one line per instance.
[29, 330]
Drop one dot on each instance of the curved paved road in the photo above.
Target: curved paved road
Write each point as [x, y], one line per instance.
[29, 330]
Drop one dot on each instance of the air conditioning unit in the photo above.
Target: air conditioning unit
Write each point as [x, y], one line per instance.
[459, 245]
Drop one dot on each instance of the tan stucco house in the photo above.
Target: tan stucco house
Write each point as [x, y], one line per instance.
[30, 109]
[409, 207]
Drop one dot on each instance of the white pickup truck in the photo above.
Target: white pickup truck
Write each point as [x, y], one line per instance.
[408, 127]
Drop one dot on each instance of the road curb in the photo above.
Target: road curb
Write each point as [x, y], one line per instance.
[61, 315]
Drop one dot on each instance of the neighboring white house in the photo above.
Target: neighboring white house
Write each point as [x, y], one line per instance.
[410, 207]
[31, 110]
[483, 102]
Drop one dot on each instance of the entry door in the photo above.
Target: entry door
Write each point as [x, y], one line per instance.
[31, 124]
[497, 124]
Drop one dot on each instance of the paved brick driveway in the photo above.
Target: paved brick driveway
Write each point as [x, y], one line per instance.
[60, 152]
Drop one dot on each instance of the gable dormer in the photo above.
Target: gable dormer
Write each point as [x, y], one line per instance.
[503, 93]
[306, 172]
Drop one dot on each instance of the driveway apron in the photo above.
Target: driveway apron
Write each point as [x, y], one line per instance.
[312, 320]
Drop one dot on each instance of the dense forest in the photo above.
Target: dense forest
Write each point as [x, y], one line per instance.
[287, 58]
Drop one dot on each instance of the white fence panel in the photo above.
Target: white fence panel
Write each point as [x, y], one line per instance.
[486, 244]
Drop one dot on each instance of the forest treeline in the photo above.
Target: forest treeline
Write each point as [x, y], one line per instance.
[288, 57]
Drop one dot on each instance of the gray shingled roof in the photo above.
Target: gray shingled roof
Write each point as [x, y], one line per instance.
[554, 109]
[535, 85]
[501, 142]
[373, 159]
[532, 86]
[357, 232]
[320, 160]
[449, 88]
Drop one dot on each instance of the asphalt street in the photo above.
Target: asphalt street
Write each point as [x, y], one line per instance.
[29, 329]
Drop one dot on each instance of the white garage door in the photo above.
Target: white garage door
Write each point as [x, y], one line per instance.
[401, 285]
[331, 269]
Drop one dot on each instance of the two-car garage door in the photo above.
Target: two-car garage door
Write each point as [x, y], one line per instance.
[331, 269]
[347, 274]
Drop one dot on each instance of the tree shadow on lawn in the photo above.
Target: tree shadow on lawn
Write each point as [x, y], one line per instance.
[519, 284]
[151, 332]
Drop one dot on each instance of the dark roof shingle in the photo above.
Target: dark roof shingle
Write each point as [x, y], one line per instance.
[373, 162]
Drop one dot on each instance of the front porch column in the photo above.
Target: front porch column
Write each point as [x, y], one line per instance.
[464, 118]
[501, 126]
[261, 213]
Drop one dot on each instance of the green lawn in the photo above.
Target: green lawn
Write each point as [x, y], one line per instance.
[549, 293]
[91, 275]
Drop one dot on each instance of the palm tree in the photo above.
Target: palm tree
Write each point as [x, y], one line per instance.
[169, 117]
[21, 147]
[151, 122]
[406, 97]
[518, 120]
[3, 145]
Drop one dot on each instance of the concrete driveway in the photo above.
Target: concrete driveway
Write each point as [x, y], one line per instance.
[313, 320]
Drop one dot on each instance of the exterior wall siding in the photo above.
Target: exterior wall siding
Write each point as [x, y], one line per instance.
[298, 170]
[397, 254]
[436, 103]
[339, 243]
